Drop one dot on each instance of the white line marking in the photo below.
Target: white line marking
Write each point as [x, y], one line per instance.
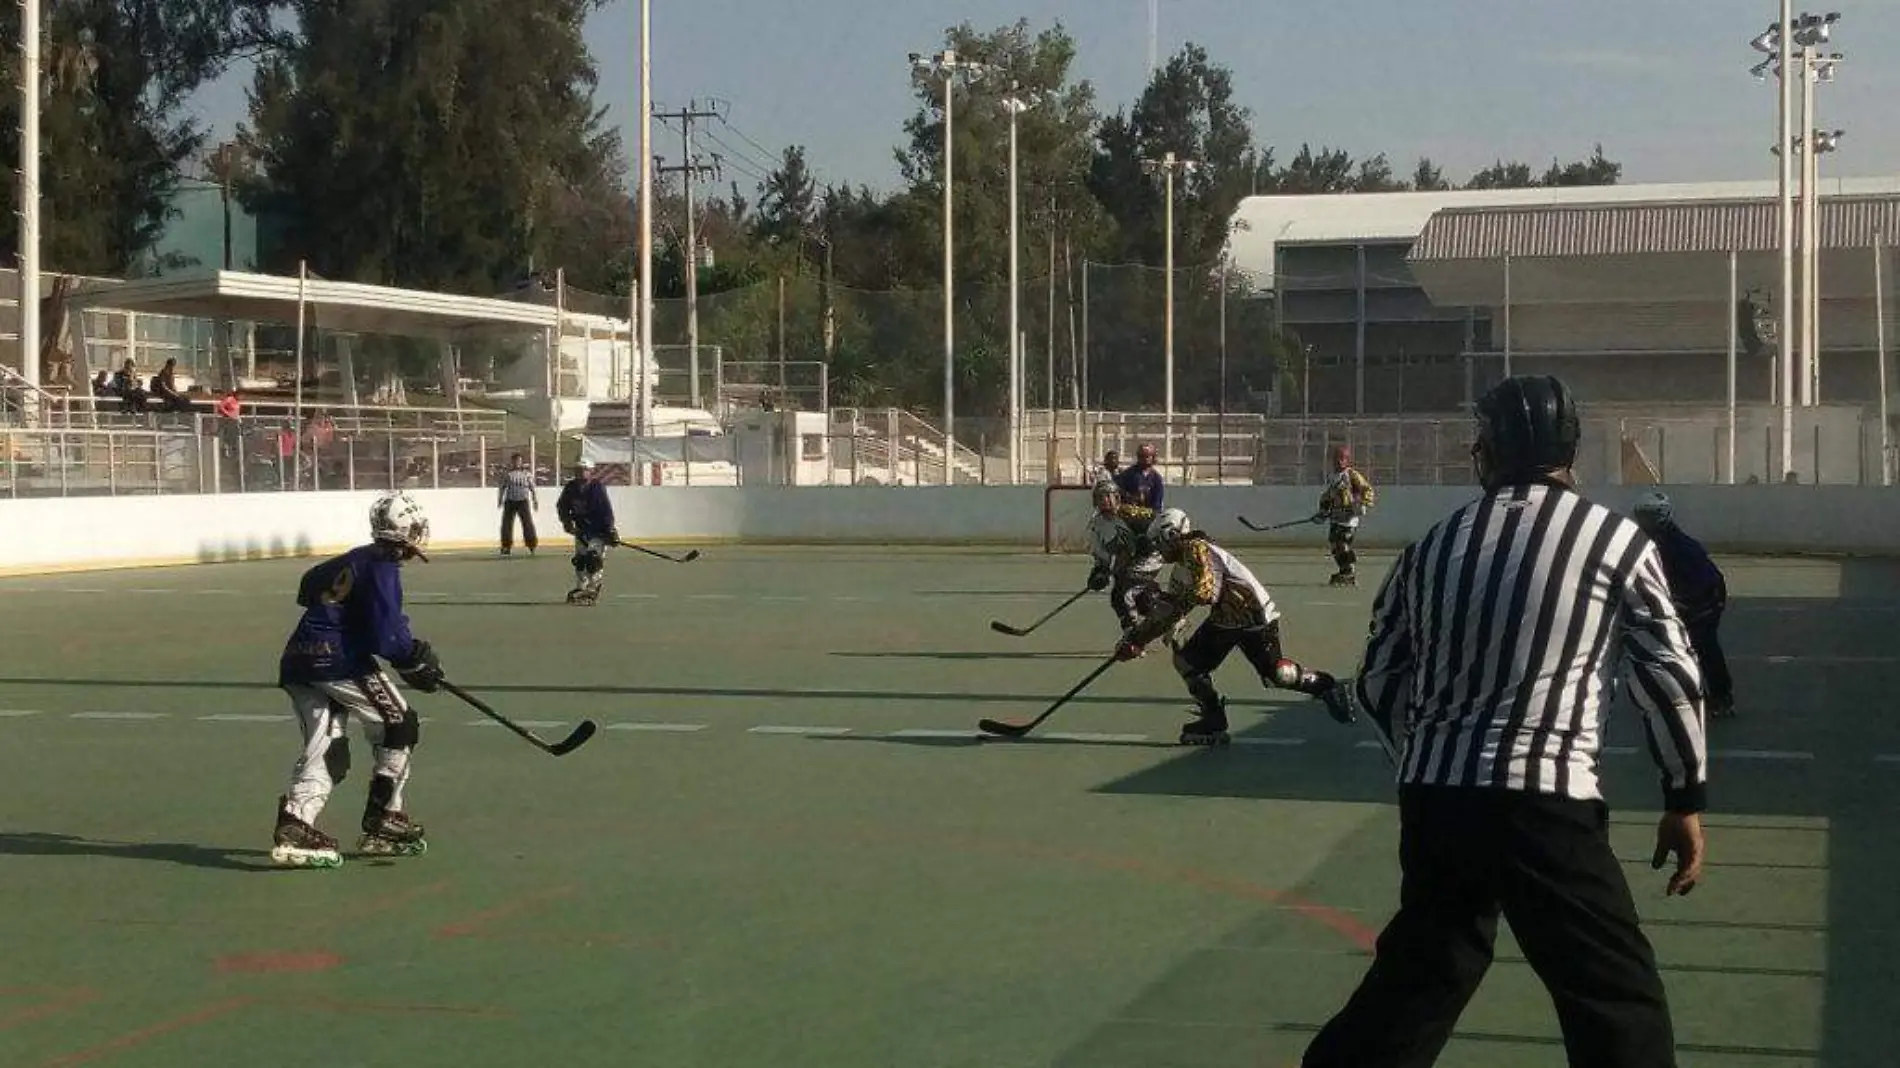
[245, 717]
[1332, 604]
[1620, 750]
[1073, 736]
[637, 596]
[543, 724]
[1887, 758]
[920, 732]
[712, 597]
[784, 597]
[1815, 659]
[1763, 754]
[118, 715]
[1272, 741]
[829, 731]
[675, 728]
[1367, 745]
[857, 600]
[18, 713]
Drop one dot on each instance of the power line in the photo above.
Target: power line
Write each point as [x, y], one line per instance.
[691, 166]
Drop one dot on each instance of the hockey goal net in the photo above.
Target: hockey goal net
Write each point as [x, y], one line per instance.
[1065, 518]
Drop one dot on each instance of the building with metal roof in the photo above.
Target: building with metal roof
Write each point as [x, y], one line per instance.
[1410, 301]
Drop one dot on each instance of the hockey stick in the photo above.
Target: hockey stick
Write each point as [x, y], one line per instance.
[1251, 525]
[687, 559]
[1017, 730]
[561, 748]
[1001, 627]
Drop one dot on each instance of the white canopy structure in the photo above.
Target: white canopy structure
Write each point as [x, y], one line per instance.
[569, 368]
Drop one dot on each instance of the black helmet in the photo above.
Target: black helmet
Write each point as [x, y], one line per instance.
[1527, 426]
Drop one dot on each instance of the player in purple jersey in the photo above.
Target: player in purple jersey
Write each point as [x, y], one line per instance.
[352, 617]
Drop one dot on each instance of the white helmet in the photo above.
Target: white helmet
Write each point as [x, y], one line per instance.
[1167, 529]
[397, 519]
[1655, 508]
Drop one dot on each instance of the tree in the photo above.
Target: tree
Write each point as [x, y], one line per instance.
[1597, 170]
[436, 143]
[1502, 175]
[1427, 178]
[788, 200]
[114, 131]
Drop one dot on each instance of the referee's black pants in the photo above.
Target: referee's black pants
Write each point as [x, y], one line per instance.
[510, 511]
[1546, 863]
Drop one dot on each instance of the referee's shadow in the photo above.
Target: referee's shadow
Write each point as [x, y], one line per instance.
[1812, 752]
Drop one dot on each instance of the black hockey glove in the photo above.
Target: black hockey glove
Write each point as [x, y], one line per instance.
[1099, 579]
[423, 671]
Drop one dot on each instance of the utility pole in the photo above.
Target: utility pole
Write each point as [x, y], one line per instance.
[691, 167]
[1167, 165]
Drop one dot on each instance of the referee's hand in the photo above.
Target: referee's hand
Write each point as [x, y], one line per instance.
[1680, 833]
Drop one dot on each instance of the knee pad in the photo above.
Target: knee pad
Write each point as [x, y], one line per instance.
[402, 734]
[336, 760]
[1286, 673]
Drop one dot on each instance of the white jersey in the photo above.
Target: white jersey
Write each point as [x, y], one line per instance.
[1114, 543]
[1210, 576]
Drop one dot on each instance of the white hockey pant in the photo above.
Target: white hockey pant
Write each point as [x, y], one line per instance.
[323, 711]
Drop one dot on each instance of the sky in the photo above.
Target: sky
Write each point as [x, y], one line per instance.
[1664, 85]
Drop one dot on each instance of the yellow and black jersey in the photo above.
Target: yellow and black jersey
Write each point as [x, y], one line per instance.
[1347, 494]
[1210, 576]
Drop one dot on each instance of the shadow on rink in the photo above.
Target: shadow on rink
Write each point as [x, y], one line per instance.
[36, 844]
[1803, 839]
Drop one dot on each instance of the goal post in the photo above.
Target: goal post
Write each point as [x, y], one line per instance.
[1066, 511]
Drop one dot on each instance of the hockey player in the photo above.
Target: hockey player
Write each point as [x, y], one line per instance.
[1241, 615]
[587, 514]
[352, 615]
[1700, 592]
[1126, 564]
[1345, 500]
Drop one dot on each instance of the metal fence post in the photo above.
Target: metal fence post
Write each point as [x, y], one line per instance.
[435, 464]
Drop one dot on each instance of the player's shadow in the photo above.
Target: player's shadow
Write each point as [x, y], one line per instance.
[40, 844]
[919, 654]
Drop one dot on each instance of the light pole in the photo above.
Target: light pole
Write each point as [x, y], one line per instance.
[947, 66]
[1811, 31]
[643, 344]
[1015, 103]
[30, 199]
[1771, 43]
[1167, 165]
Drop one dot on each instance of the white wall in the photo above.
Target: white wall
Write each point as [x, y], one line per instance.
[103, 532]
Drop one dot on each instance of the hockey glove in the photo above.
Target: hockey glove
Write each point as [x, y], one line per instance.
[423, 671]
[1098, 579]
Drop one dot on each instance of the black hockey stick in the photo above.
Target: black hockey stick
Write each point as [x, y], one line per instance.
[1251, 525]
[1017, 730]
[561, 748]
[687, 559]
[1001, 627]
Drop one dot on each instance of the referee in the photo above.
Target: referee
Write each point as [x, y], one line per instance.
[1496, 644]
[518, 501]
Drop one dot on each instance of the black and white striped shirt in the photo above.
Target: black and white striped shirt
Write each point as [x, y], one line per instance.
[1500, 637]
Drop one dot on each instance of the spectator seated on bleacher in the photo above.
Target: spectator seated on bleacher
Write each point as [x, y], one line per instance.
[165, 388]
[102, 385]
[125, 384]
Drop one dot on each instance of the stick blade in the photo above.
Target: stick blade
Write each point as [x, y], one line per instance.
[998, 727]
[575, 740]
[690, 557]
[1001, 627]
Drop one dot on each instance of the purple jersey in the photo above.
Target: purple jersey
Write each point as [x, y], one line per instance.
[352, 614]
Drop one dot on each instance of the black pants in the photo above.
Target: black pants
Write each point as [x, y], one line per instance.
[1339, 540]
[510, 510]
[1132, 596]
[1208, 648]
[1703, 637]
[1546, 863]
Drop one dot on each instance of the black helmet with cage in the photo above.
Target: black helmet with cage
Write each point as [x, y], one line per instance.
[1527, 429]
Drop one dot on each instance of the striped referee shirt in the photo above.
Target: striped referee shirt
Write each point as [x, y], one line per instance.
[1500, 637]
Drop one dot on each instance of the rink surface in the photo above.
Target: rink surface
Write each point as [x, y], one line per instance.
[785, 849]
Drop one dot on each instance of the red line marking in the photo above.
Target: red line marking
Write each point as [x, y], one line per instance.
[470, 925]
[58, 1000]
[131, 1039]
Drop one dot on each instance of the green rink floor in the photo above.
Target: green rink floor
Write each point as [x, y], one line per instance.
[787, 846]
